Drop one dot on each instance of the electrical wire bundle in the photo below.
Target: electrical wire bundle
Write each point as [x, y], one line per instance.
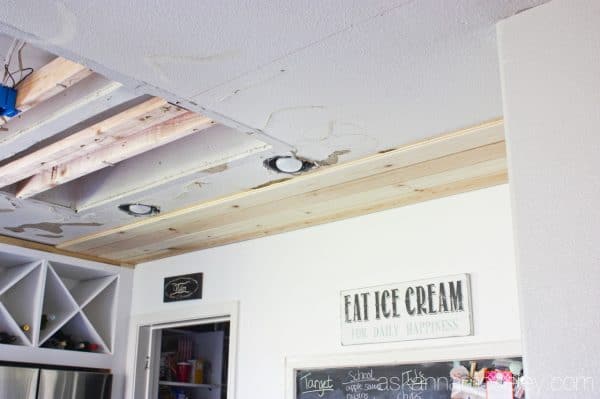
[9, 77]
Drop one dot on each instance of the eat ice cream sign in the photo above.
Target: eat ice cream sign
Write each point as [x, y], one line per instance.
[433, 308]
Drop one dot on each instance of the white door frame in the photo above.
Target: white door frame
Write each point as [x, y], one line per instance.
[184, 314]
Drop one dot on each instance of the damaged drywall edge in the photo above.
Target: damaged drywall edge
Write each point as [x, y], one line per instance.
[140, 87]
[270, 183]
[50, 227]
[332, 159]
[169, 181]
[216, 169]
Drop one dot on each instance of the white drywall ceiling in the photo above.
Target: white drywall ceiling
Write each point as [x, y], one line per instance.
[322, 76]
[343, 77]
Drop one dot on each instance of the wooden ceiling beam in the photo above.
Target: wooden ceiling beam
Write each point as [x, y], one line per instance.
[80, 102]
[90, 139]
[49, 80]
[448, 164]
[146, 140]
[416, 153]
[54, 77]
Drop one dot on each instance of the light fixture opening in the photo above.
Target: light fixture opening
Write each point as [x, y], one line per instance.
[137, 209]
[288, 164]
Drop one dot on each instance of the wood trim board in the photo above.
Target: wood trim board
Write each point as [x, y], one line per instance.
[449, 164]
[17, 242]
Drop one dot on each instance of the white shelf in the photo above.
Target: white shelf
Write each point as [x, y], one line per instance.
[80, 329]
[82, 301]
[83, 284]
[9, 325]
[10, 275]
[86, 290]
[20, 300]
[100, 312]
[188, 385]
[58, 302]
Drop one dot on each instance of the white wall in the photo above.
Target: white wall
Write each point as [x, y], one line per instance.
[550, 61]
[288, 285]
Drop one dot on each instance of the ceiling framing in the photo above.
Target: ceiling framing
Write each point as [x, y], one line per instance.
[130, 132]
[84, 144]
[458, 162]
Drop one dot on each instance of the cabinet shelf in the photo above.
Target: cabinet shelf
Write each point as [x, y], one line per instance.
[188, 385]
[80, 302]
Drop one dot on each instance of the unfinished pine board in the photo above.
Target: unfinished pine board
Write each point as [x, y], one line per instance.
[487, 158]
[432, 193]
[17, 242]
[49, 80]
[449, 164]
[90, 139]
[155, 136]
[369, 167]
[73, 105]
[312, 211]
[176, 165]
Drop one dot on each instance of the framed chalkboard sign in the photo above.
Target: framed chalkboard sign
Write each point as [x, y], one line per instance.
[456, 371]
[182, 288]
[405, 381]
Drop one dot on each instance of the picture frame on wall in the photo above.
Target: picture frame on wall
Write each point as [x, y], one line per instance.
[183, 287]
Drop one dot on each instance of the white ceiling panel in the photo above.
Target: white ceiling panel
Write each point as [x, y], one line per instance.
[336, 80]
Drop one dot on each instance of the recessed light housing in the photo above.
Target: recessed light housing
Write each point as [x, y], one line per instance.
[139, 209]
[288, 164]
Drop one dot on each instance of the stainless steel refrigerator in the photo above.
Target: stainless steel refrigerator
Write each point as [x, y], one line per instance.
[33, 383]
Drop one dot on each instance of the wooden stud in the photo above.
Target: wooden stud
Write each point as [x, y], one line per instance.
[146, 140]
[90, 139]
[49, 80]
[92, 96]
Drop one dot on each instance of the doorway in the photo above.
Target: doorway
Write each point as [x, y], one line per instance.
[185, 359]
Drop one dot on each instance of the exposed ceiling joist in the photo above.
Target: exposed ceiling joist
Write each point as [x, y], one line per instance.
[93, 95]
[145, 140]
[90, 139]
[176, 167]
[453, 163]
[54, 77]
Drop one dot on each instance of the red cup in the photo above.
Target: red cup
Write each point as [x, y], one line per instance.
[183, 372]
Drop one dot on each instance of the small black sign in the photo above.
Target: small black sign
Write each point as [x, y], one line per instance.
[183, 288]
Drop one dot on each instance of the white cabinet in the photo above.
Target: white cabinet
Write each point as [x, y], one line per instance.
[86, 300]
[74, 301]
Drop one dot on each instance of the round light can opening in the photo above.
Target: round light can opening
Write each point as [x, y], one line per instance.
[139, 209]
[288, 164]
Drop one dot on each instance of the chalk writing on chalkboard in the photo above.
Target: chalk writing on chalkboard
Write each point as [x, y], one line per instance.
[405, 381]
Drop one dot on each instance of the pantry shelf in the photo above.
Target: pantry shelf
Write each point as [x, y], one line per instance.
[57, 302]
[10, 275]
[188, 385]
[21, 300]
[9, 326]
[42, 300]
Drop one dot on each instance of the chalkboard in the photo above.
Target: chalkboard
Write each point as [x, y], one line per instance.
[182, 288]
[405, 381]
